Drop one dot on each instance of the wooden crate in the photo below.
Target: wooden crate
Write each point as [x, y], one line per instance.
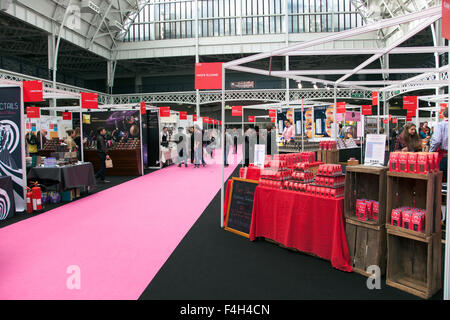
[365, 182]
[421, 191]
[332, 156]
[414, 263]
[367, 246]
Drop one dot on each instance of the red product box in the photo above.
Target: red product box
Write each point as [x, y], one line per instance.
[393, 161]
[407, 219]
[396, 217]
[375, 210]
[403, 162]
[436, 161]
[361, 209]
[431, 162]
[422, 163]
[418, 221]
[412, 162]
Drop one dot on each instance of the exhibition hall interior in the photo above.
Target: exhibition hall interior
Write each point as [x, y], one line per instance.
[209, 150]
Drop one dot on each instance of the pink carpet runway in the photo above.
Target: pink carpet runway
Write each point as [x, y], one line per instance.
[111, 243]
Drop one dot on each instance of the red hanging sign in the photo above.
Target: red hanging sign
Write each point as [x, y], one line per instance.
[220, 122]
[273, 120]
[236, 111]
[366, 110]
[67, 115]
[143, 107]
[33, 91]
[443, 106]
[183, 115]
[205, 119]
[374, 98]
[251, 118]
[33, 112]
[394, 120]
[411, 113]
[408, 119]
[216, 122]
[446, 19]
[386, 121]
[208, 75]
[164, 112]
[390, 117]
[410, 102]
[194, 117]
[89, 100]
[272, 113]
[340, 107]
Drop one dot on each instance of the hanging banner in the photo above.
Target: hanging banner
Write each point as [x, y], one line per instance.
[183, 115]
[272, 113]
[89, 100]
[374, 98]
[394, 120]
[236, 111]
[194, 117]
[33, 113]
[164, 112]
[67, 115]
[410, 102]
[220, 122]
[12, 146]
[251, 118]
[340, 107]
[385, 121]
[143, 107]
[33, 91]
[205, 120]
[411, 113]
[273, 119]
[446, 19]
[390, 117]
[216, 122]
[208, 75]
[366, 110]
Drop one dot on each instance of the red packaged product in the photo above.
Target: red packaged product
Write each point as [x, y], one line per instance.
[393, 161]
[436, 161]
[412, 162]
[418, 221]
[361, 209]
[403, 161]
[375, 210]
[406, 219]
[422, 163]
[396, 217]
[431, 161]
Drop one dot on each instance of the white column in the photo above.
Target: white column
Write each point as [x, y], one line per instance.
[447, 235]
[222, 191]
[197, 58]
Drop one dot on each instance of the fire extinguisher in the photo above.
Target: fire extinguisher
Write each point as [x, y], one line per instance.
[29, 201]
[36, 197]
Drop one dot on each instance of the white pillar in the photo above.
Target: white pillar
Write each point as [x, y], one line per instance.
[222, 191]
[447, 235]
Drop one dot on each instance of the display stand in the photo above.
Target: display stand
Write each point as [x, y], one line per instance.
[366, 239]
[414, 258]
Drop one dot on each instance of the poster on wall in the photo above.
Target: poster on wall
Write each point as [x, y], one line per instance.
[12, 144]
[121, 126]
[323, 118]
[375, 149]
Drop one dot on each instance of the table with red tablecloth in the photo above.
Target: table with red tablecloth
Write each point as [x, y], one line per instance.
[308, 223]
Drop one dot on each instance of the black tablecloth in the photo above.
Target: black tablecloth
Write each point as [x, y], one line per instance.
[7, 203]
[81, 175]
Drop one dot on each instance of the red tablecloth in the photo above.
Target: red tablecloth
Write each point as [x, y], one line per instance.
[310, 224]
[250, 173]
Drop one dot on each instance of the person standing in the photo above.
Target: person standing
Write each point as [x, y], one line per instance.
[192, 143]
[32, 142]
[198, 147]
[227, 145]
[439, 143]
[70, 140]
[77, 140]
[181, 141]
[235, 140]
[102, 152]
[289, 131]
[408, 140]
[165, 137]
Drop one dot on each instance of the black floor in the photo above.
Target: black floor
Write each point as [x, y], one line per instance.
[213, 264]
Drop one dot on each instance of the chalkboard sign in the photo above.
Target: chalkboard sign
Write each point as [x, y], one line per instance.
[240, 206]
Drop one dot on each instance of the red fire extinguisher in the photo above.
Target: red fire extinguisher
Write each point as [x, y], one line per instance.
[29, 201]
[36, 197]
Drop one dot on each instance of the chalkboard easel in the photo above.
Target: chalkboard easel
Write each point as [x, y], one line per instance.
[240, 206]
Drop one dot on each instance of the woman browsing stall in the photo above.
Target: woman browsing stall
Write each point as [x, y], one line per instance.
[408, 140]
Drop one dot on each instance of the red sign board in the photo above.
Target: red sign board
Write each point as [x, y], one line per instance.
[374, 98]
[236, 111]
[443, 106]
[408, 119]
[89, 100]
[366, 110]
[183, 115]
[205, 119]
[208, 75]
[410, 113]
[33, 112]
[194, 117]
[220, 122]
[273, 119]
[164, 112]
[386, 121]
[251, 118]
[446, 19]
[340, 107]
[143, 108]
[410, 102]
[394, 120]
[33, 91]
[272, 113]
[216, 122]
[67, 115]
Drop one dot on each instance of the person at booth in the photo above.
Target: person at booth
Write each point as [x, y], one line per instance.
[102, 152]
[288, 132]
[408, 140]
[165, 137]
[181, 141]
[70, 140]
[439, 143]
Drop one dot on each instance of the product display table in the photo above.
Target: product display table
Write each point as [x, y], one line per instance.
[310, 224]
[68, 177]
[251, 173]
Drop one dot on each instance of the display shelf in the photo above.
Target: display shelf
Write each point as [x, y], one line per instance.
[125, 162]
[328, 156]
[365, 182]
[414, 266]
[417, 191]
[367, 246]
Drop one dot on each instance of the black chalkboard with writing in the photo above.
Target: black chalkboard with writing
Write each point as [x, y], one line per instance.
[240, 206]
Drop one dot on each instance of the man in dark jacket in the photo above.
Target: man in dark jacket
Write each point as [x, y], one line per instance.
[102, 152]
